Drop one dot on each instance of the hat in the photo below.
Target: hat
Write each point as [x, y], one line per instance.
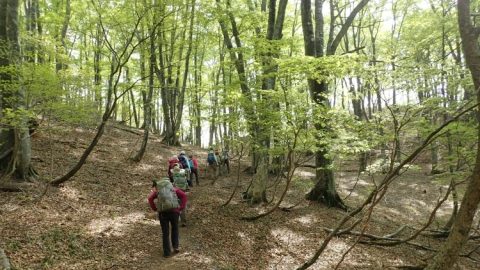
[176, 169]
[182, 153]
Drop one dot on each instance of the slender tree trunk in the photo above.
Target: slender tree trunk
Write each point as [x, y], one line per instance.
[132, 101]
[147, 105]
[97, 57]
[236, 56]
[61, 49]
[197, 97]
[186, 70]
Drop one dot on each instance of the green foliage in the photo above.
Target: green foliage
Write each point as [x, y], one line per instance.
[321, 69]
[348, 135]
[15, 117]
[58, 96]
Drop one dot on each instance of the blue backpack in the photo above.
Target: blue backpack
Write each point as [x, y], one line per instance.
[211, 158]
[183, 160]
[190, 162]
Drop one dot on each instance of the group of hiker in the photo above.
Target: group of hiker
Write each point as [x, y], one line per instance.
[218, 164]
[168, 196]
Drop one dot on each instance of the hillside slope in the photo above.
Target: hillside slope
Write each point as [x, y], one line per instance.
[100, 219]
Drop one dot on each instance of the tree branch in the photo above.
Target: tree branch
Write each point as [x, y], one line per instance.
[348, 22]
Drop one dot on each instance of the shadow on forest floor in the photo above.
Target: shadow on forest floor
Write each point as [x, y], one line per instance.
[101, 220]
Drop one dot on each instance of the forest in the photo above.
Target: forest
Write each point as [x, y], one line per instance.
[352, 128]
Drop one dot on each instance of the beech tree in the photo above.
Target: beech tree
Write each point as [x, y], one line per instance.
[15, 142]
[256, 103]
[313, 36]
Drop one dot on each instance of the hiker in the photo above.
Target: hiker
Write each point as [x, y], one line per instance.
[164, 199]
[183, 158]
[212, 162]
[226, 160]
[180, 181]
[172, 161]
[194, 167]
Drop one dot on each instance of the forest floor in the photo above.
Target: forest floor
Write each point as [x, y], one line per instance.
[100, 218]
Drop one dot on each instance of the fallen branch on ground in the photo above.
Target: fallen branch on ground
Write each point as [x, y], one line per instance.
[127, 129]
[10, 188]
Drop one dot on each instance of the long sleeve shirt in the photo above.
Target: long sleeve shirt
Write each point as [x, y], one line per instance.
[195, 163]
[180, 194]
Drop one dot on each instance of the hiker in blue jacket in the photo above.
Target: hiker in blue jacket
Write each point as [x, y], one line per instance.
[186, 165]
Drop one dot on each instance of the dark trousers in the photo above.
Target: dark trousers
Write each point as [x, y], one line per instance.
[194, 172]
[188, 174]
[168, 219]
[226, 163]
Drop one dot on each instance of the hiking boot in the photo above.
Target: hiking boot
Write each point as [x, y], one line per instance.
[184, 224]
[176, 251]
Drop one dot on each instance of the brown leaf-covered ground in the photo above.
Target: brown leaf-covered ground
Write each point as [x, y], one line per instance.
[100, 219]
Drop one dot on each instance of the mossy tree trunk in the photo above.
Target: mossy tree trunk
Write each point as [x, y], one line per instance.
[16, 148]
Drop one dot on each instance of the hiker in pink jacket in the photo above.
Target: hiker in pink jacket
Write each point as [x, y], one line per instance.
[167, 219]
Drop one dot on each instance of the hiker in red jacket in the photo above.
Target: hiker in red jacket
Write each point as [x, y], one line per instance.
[171, 163]
[194, 169]
[167, 219]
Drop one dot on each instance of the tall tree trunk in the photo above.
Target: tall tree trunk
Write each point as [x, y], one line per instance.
[174, 85]
[97, 77]
[448, 254]
[236, 56]
[197, 96]
[181, 99]
[132, 99]
[324, 189]
[19, 161]
[313, 41]
[62, 48]
[147, 102]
